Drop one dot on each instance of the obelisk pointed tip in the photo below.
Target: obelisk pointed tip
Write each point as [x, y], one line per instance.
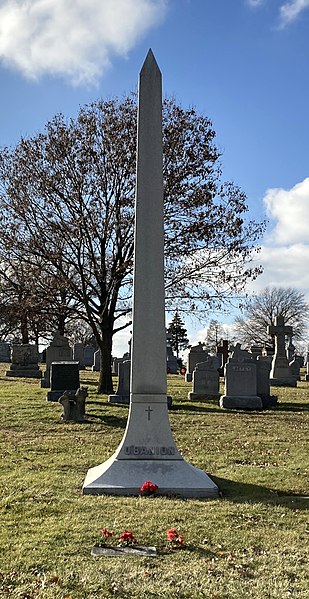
[150, 62]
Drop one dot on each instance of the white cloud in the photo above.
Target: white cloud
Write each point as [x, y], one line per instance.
[289, 11]
[255, 3]
[290, 208]
[284, 266]
[75, 39]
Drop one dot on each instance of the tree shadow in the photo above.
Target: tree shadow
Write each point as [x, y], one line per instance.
[247, 493]
[292, 407]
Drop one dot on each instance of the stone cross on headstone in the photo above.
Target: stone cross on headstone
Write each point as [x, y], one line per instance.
[147, 450]
[280, 374]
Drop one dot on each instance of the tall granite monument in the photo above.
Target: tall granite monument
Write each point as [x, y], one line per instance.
[148, 450]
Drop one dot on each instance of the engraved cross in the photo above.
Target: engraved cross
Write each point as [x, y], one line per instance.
[148, 411]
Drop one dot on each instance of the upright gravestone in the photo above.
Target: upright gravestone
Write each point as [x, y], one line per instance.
[57, 351]
[89, 351]
[240, 391]
[223, 349]
[96, 366]
[206, 380]
[263, 366]
[122, 395]
[280, 374]
[307, 371]
[64, 376]
[147, 450]
[196, 355]
[78, 355]
[5, 352]
[171, 361]
[25, 361]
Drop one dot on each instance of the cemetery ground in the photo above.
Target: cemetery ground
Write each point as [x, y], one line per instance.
[250, 542]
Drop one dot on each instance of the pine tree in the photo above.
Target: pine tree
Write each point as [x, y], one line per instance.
[177, 334]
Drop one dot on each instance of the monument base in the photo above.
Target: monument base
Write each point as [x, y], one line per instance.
[202, 396]
[30, 374]
[125, 478]
[284, 382]
[250, 402]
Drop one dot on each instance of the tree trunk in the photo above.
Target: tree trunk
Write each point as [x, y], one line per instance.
[106, 380]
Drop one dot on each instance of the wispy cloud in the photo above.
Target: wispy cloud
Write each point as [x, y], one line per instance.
[289, 11]
[76, 40]
[255, 3]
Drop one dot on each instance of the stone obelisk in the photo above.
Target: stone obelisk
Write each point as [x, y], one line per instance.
[147, 450]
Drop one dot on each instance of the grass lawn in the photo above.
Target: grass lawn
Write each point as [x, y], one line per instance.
[252, 542]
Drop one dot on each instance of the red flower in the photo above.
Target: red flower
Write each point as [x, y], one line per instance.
[148, 488]
[107, 533]
[175, 539]
[127, 537]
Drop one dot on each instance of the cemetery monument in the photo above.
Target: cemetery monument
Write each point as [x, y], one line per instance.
[148, 450]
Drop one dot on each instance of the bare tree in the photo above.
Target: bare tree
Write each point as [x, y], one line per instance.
[261, 310]
[67, 198]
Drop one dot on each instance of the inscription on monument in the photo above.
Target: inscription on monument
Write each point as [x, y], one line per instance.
[143, 450]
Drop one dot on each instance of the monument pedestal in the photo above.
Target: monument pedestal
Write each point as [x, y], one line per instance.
[148, 452]
[250, 402]
[173, 477]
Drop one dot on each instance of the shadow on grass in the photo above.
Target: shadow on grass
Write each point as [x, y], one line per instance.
[186, 407]
[292, 407]
[248, 493]
[108, 419]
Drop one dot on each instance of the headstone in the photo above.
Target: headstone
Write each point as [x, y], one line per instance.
[196, 355]
[280, 374]
[290, 350]
[148, 450]
[240, 390]
[206, 380]
[115, 364]
[78, 354]
[25, 361]
[64, 376]
[89, 351]
[263, 366]
[57, 351]
[171, 361]
[74, 404]
[96, 367]
[294, 366]
[122, 395]
[5, 352]
[223, 349]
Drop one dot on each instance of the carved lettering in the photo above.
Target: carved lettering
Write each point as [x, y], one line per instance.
[148, 451]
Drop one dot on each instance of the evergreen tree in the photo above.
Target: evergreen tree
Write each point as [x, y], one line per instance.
[177, 334]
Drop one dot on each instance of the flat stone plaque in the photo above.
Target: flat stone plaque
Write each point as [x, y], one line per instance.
[122, 551]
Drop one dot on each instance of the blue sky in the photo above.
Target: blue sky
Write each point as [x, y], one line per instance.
[244, 63]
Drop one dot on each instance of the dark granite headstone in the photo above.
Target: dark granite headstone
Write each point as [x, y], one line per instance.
[64, 376]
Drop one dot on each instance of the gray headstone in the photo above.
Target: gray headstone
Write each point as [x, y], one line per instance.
[25, 361]
[89, 352]
[240, 390]
[280, 374]
[96, 367]
[147, 450]
[78, 354]
[206, 380]
[57, 351]
[197, 354]
[122, 395]
[5, 352]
